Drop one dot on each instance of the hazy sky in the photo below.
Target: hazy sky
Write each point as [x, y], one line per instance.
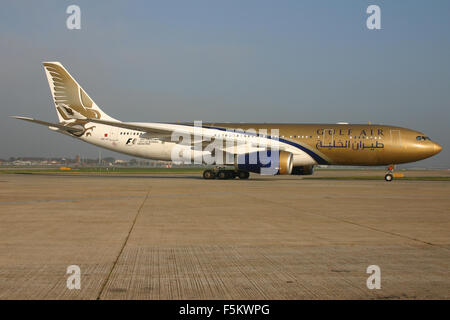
[239, 61]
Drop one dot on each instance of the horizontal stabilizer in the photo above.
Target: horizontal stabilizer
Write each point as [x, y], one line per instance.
[73, 130]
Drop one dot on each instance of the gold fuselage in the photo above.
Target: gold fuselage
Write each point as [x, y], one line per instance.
[349, 144]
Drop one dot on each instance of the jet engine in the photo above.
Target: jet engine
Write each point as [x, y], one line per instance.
[261, 162]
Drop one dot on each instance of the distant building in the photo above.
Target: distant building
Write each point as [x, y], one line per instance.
[21, 163]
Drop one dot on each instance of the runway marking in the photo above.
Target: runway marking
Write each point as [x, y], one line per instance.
[123, 245]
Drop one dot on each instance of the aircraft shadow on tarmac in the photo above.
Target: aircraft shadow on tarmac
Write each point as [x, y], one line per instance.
[162, 176]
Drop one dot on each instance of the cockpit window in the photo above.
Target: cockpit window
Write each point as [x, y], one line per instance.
[420, 138]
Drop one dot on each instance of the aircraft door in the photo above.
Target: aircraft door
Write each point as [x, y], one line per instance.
[396, 141]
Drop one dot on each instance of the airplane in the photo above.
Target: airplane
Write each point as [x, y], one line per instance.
[292, 149]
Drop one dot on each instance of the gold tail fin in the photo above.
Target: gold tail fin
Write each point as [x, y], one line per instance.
[71, 101]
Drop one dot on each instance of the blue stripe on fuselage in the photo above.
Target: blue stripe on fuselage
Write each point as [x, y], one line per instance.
[315, 156]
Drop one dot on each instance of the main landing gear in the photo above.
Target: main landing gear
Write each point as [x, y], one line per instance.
[390, 174]
[224, 173]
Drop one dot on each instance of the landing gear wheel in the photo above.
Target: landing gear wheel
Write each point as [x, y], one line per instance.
[388, 177]
[230, 175]
[222, 175]
[243, 175]
[208, 174]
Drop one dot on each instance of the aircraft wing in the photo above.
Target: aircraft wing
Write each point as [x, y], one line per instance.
[150, 131]
[53, 126]
[166, 134]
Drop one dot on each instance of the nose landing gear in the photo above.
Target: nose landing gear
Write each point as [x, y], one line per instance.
[390, 174]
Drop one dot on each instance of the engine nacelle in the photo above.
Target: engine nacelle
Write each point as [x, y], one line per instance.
[261, 162]
[303, 170]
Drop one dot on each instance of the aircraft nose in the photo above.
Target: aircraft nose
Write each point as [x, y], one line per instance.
[437, 147]
[426, 149]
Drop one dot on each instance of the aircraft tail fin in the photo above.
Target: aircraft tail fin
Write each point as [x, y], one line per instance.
[71, 101]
